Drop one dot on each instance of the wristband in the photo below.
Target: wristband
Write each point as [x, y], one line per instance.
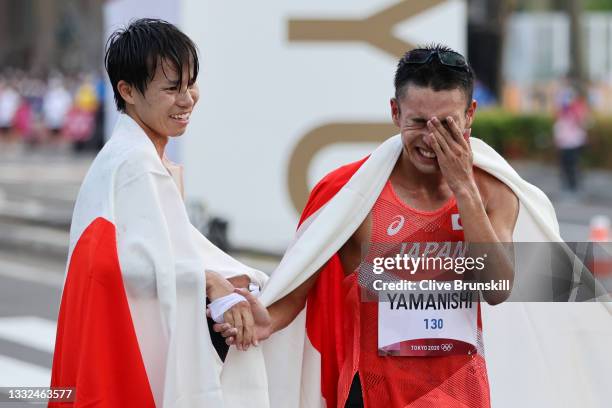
[254, 288]
[219, 306]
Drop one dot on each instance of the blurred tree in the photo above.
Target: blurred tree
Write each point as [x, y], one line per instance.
[44, 49]
[14, 39]
[577, 67]
[598, 5]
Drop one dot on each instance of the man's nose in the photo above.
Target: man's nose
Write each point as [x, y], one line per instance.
[423, 137]
[185, 99]
[424, 132]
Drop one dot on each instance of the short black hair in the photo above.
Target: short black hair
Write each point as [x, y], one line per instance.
[433, 74]
[133, 53]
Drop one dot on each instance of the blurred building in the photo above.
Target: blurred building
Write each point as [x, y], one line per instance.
[485, 37]
[41, 35]
[537, 59]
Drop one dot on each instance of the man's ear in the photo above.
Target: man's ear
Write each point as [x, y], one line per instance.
[127, 92]
[471, 110]
[395, 111]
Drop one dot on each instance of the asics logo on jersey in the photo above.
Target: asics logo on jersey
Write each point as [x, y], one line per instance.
[396, 225]
[456, 221]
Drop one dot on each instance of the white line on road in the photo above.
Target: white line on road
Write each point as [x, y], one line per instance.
[16, 373]
[31, 331]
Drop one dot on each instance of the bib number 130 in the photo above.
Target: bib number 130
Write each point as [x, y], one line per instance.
[433, 324]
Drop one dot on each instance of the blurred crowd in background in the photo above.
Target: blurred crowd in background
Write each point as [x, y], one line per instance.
[52, 111]
[544, 70]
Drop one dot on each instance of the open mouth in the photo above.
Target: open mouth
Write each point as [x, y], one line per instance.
[182, 117]
[428, 154]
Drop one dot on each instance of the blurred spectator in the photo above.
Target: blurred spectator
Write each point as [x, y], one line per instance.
[570, 134]
[80, 123]
[9, 103]
[97, 139]
[23, 121]
[86, 98]
[61, 111]
[32, 89]
[483, 95]
[56, 104]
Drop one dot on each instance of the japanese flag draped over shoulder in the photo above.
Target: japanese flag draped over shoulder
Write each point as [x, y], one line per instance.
[538, 354]
[132, 328]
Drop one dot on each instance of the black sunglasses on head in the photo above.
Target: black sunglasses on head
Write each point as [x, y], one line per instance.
[448, 58]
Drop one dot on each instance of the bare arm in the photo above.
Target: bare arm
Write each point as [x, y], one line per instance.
[217, 286]
[492, 225]
[283, 311]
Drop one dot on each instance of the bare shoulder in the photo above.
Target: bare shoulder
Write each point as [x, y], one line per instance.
[495, 194]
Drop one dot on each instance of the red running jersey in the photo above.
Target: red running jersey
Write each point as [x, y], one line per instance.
[456, 380]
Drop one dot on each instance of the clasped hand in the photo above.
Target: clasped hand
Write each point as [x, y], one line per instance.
[246, 325]
[246, 322]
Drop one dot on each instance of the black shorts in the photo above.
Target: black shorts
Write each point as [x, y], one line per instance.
[355, 397]
[218, 341]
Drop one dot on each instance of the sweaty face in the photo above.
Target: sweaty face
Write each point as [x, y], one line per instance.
[165, 107]
[416, 107]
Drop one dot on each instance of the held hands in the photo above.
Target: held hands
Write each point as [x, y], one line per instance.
[240, 316]
[261, 328]
[453, 151]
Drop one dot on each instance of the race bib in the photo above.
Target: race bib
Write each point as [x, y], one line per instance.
[423, 324]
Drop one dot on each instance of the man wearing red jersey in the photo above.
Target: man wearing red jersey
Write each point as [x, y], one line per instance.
[433, 194]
